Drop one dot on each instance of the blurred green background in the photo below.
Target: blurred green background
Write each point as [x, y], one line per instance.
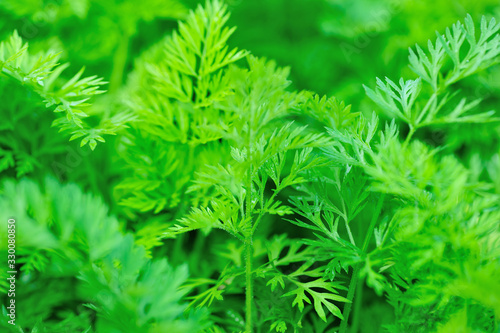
[332, 46]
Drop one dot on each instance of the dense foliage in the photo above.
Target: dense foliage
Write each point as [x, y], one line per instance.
[164, 179]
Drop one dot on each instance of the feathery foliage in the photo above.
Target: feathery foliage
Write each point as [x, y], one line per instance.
[229, 201]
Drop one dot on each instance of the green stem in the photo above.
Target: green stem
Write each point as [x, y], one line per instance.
[249, 285]
[351, 238]
[350, 296]
[249, 247]
[375, 216]
[357, 307]
[355, 274]
[410, 135]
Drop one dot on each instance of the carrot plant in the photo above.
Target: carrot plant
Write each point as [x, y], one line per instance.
[220, 199]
